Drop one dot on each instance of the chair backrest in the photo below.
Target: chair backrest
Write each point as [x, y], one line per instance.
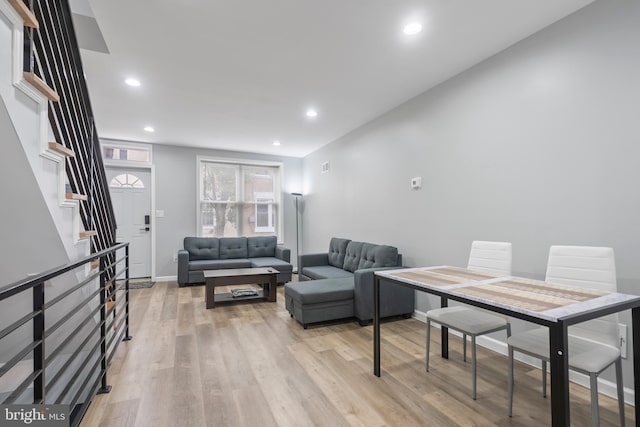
[588, 267]
[490, 257]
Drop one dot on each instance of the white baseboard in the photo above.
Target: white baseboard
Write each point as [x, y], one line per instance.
[165, 278]
[605, 387]
[420, 315]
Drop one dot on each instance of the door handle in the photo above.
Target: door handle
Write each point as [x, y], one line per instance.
[144, 229]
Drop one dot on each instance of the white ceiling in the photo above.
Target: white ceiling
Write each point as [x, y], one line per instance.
[239, 74]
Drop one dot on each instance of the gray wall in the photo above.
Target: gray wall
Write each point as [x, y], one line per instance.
[539, 145]
[29, 241]
[175, 189]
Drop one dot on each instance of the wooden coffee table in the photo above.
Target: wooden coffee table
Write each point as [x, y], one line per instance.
[267, 277]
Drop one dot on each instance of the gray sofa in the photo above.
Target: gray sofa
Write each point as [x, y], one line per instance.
[211, 253]
[339, 284]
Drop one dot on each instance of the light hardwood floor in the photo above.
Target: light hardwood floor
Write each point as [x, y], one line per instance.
[252, 365]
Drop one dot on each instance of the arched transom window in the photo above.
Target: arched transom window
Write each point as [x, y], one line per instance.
[126, 180]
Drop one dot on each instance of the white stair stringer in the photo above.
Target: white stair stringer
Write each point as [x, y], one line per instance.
[28, 109]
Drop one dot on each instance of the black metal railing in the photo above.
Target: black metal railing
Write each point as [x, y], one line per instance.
[76, 326]
[52, 53]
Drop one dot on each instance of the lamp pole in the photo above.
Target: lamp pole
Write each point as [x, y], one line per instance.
[297, 196]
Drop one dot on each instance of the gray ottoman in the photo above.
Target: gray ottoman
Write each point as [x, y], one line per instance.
[319, 300]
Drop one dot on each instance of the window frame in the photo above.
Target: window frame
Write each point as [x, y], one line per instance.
[126, 186]
[126, 145]
[277, 195]
[270, 227]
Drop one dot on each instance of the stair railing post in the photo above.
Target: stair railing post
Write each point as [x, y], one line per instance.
[127, 336]
[91, 181]
[39, 391]
[28, 57]
[103, 326]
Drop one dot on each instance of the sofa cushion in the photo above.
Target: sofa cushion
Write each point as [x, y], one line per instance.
[325, 272]
[217, 264]
[374, 256]
[202, 247]
[263, 246]
[352, 256]
[278, 264]
[233, 247]
[320, 291]
[337, 251]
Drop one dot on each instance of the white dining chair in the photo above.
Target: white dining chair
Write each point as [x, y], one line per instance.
[592, 345]
[489, 257]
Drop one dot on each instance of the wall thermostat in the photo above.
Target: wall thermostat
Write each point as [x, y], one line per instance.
[416, 183]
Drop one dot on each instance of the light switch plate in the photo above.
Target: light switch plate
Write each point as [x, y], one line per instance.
[416, 183]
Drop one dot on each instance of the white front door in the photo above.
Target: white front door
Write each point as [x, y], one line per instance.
[131, 196]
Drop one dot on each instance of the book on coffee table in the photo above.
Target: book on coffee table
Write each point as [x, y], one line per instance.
[243, 292]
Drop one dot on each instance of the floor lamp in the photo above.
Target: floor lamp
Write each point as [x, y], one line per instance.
[297, 196]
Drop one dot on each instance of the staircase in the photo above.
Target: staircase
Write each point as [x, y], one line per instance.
[60, 139]
[59, 327]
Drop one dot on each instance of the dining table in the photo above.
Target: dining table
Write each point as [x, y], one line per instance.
[551, 305]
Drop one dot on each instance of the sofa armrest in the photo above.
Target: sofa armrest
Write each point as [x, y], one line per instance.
[183, 267]
[395, 299]
[283, 253]
[312, 260]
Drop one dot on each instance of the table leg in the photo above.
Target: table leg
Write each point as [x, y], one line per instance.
[444, 332]
[376, 326]
[635, 326]
[209, 294]
[559, 375]
[273, 288]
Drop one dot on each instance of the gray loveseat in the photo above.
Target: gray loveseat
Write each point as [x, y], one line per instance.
[339, 284]
[211, 253]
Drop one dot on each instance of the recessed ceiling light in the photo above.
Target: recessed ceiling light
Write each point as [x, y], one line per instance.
[276, 143]
[149, 129]
[412, 28]
[132, 82]
[312, 113]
